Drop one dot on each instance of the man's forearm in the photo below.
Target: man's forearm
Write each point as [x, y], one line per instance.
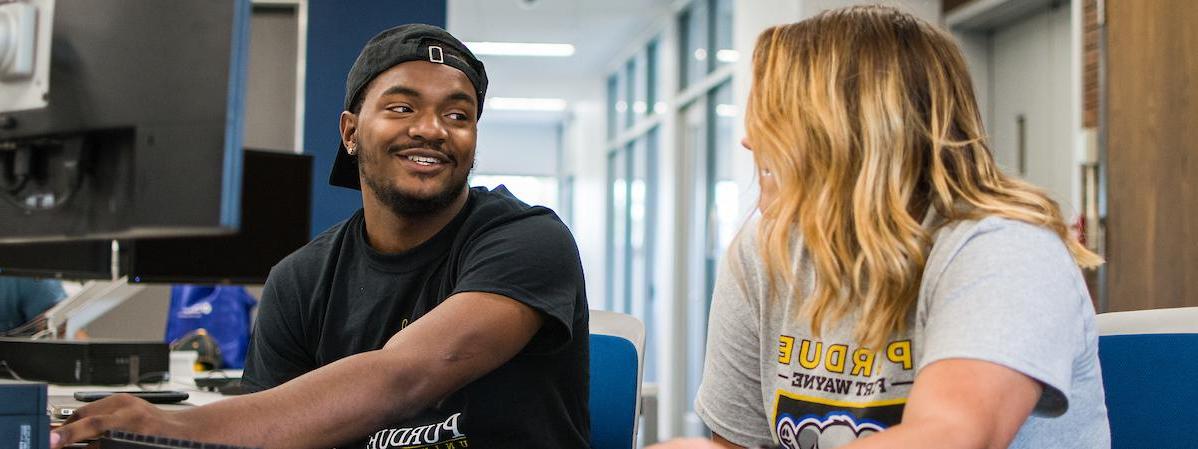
[467, 336]
[326, 407]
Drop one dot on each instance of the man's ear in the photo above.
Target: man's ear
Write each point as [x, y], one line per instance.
[349, 129]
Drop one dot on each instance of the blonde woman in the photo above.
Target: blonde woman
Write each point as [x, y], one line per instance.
[898, 291]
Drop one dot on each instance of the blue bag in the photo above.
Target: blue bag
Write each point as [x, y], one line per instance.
[224, 312]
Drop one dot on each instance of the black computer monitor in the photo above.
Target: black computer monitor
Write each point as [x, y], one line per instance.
[276, 209]
[276, 200]
[140, 131]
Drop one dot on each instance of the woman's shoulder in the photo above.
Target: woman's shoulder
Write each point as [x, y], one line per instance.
[995, 245]
[993, 232]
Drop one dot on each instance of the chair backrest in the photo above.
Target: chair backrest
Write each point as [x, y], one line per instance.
[617, 342]
[1148, 358]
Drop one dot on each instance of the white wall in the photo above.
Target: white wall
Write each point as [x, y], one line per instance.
[1029, 65]
[141, 317]
[1041, 95]
[586, 161]
[270, 103]
[517, 148]
[976, 48]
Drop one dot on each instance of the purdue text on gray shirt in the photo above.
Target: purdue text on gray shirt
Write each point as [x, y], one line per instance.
[997, 290]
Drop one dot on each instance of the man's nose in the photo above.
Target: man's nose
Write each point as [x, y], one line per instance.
[428, 126]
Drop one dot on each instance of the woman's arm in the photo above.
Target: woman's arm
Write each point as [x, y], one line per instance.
[955, 403]
[961, 403]
[716, 442]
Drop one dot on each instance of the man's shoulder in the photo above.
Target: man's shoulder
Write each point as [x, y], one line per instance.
[497, 201]
[314, 255]
[498, 208]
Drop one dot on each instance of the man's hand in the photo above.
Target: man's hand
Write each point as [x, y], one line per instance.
[119, 412]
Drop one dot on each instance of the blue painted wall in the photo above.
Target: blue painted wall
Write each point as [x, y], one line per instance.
[337, 30]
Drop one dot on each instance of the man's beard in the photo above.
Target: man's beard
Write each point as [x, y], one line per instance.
[405, 204]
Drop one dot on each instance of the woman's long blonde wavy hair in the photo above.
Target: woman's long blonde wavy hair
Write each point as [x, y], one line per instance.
[865, 117]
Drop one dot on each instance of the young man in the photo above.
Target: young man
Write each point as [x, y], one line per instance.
[436, 316]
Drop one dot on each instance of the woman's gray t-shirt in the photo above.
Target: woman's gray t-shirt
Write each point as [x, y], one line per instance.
[997, 290]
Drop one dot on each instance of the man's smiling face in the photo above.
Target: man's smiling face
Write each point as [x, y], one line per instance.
[415, 135]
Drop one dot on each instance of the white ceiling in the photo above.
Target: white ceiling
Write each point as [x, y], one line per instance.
[598, 29]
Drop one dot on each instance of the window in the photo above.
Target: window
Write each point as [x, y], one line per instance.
[613, 99]
[631, 221]
[634, 92]
[694, 138]
[652, 81]
[617, 212]
[708, 126]
[642, 216]
[724, 53]
[722, 189]
[630, 93]
[693, 41]
[702, 144]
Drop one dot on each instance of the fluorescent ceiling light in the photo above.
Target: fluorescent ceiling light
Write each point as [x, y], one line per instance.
[726, 110]
[726, 55]
[520, 49]
[526, 104]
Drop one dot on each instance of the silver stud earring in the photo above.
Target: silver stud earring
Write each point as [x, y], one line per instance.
[352, 150]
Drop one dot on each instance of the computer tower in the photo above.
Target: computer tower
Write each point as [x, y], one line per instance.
[93, 362]
[24, 422]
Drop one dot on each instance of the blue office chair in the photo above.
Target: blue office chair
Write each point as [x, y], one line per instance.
[1148, 359]
[617, 345]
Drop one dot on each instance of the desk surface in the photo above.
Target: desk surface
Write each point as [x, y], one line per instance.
[196, 396]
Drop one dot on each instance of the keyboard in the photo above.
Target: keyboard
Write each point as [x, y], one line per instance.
[129, 440]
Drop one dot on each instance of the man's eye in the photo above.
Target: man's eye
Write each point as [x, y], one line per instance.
[458, 116]
[400, 108]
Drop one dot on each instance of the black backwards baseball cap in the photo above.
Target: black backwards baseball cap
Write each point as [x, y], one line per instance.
[411, 42]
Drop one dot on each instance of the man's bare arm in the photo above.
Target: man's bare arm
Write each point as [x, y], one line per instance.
[464, 338]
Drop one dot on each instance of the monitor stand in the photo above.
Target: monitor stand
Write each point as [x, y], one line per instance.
[93, 301]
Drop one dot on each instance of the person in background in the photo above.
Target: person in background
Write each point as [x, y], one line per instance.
[898, 290]
[23, 300]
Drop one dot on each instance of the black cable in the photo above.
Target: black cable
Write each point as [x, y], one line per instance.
[154, 377]
[13, 178]
[4, 365]
[23, 164]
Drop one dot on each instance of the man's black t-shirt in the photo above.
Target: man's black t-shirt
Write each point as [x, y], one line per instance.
[337, 296]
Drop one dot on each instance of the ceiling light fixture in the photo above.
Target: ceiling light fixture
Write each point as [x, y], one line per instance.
[726, 110]
[727, 55]
[520, 49]
[526, 104]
